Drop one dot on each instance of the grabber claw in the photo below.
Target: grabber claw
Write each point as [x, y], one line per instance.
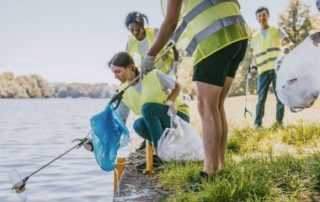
[20, 186]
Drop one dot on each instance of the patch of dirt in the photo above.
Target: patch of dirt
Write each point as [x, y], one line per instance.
[135, 186]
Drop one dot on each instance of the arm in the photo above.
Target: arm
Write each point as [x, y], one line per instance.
[175, 92]
[167, 27]
[315, 38]
[123, 111]
[166, 30]
[168, 83]
[285, 41]
[175, 53]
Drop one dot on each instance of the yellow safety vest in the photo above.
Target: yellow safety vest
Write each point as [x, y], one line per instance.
[164, 64]
[266, 49]
[207, 26]
[151, 91]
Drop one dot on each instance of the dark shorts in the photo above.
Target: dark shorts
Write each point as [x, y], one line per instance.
[215, 68]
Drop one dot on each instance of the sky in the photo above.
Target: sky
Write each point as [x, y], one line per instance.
[73, 40]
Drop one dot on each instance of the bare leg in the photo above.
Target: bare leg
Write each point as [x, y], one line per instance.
[208, 107]
[224, 93]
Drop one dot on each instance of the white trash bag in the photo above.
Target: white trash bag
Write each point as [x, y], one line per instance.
[180, 142]
[298, 78]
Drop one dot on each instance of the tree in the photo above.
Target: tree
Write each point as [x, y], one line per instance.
[296, 21]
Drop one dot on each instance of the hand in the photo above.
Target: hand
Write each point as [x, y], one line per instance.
[147, 64]
[88, 145]
[253, 69]
[315, 38]
[286, 50]
[172, 111]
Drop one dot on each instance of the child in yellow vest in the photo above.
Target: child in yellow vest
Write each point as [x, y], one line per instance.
[141, 39]
[150, 98]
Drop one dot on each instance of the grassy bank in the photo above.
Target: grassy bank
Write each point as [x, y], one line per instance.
[274, 164]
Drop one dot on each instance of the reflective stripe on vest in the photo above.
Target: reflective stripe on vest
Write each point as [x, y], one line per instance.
[164, 64]
[151, 91]
[193, 13]
[266, 49]
[213, 28]
[208, 26]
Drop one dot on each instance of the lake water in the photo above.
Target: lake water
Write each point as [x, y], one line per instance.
[34, 132]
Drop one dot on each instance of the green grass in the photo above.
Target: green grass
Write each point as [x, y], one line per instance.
[301, 135]
[293, 138]
[270, 176]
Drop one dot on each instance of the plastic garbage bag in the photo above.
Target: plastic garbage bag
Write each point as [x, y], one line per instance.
[180, 142]
[298, 77]
[109, 133]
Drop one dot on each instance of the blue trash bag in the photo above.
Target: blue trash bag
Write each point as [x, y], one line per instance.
[109, 133]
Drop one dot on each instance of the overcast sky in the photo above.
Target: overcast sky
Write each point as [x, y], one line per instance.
[72, 40]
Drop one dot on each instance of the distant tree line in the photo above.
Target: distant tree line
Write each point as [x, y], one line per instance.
[34, 86]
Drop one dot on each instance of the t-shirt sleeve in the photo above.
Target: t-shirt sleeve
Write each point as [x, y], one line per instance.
[123, 111]
[251, 45]
[167, 81]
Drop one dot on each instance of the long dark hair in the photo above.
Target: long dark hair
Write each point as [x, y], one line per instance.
[136, 17]
[124, 60]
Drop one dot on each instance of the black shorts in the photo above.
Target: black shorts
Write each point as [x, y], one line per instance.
[224, 63]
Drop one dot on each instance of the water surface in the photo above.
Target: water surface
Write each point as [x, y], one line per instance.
[35, 131]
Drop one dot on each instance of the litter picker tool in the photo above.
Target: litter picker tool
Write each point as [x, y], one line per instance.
[248, 77]
[20, 186]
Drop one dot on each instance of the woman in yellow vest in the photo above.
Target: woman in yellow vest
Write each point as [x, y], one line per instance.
[141, 39]
[215, 34]
[150, 98]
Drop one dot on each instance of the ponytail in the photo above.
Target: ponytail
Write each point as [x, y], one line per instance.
[136, 17]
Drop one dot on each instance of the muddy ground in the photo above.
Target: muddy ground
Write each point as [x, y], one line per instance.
[135, 186]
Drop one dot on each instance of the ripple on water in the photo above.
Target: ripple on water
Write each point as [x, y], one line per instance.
[36, 132]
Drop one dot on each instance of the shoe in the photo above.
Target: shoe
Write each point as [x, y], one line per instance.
[198, 184]
[88, 145]
[157, 164]
[142, 146]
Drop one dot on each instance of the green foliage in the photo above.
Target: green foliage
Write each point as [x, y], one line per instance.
[34, 86]
[296, 21]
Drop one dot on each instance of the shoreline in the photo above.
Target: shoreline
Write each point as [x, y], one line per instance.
[135, 186]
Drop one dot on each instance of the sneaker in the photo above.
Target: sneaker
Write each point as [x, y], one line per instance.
[157, 164]
[88, 145]
[142, 146]
[198, 184]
